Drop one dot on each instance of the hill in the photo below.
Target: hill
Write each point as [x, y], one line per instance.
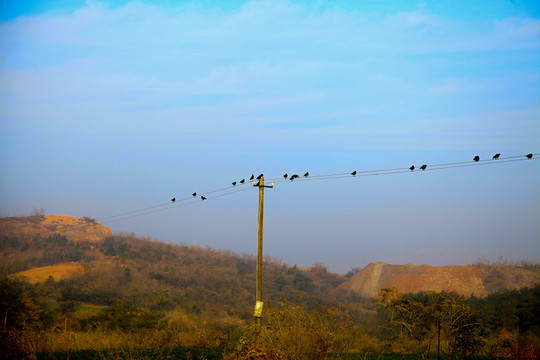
[57, 253]
[60, 251]
[76, 230]
[477, 280]
[69, 276]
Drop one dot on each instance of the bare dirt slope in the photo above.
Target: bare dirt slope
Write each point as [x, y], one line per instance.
[75, 229]
[464, 280]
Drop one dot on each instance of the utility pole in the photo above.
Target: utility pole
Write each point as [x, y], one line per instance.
[259, 303]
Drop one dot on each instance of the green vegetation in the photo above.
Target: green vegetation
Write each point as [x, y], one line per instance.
[142, 299]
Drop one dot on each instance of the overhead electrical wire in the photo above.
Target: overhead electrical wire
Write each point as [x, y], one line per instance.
[357, 174]
[248, 185]
[398, 170]
[177, 205]
[167, 203]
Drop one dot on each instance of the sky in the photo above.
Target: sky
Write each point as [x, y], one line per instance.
[108, 107]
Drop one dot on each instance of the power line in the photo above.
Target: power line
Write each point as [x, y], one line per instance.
[357, 174]
[406, 170]
[179, 205]
[167, 203]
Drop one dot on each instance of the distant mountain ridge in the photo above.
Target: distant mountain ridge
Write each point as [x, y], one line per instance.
[477, 280]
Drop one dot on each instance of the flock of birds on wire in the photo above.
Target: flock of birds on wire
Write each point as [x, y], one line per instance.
[296, 176]
[306, 176]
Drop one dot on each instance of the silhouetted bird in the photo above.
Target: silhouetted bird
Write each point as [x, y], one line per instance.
[476, 158]
[258, 183]
[306, 174]
[173, 199]
[234, 183]
[496, 156]
[529, 156]
[285, 176]
[353, 173]
[203, 198]
[194, 194]
[294, 177]
[259, 177]
[423, 167]
[252, 177]
[242, 181]
[411, 168]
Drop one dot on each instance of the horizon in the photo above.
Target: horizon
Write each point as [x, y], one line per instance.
[113, 106]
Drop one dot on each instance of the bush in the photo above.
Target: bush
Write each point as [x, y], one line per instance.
[294, 332]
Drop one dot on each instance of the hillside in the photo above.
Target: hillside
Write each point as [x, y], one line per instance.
[57, 253]
[478, 280]
[60, 251]
[60, 276]
[76, 230]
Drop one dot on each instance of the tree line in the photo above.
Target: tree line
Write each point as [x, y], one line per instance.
[133, 288]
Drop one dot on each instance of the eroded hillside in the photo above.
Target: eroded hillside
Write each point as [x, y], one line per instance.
[465, 280]
[75, 229]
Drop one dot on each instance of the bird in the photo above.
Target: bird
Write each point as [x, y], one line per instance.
[194, 194]
[306, 174]
[496, 156]
[285, 176]
[234, 183]
[294, 177]
[476, 158]
[260, 176]
[258, 183]
[203, 198]
[529, 156]
[411, 168]
[252, 177]
[242, 181]
[353, 173]
[173, 199]
[423, 167]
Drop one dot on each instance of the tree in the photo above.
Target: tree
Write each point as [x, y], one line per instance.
[18, 308]
[67, 305]
[432, 315]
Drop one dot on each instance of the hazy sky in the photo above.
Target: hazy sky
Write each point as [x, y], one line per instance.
[112, 106]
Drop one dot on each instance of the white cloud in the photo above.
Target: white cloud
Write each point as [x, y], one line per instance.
[270, 62]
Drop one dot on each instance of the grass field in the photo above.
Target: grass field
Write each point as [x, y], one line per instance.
[58, 272]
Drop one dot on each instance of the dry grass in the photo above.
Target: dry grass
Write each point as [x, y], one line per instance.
[58, 272]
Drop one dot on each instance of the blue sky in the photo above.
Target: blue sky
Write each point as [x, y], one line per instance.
[111, 106]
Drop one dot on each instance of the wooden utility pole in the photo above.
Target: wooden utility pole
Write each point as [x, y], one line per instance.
[259, 303]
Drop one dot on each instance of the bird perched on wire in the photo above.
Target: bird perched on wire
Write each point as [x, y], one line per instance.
[294, 177]
[423, 167]
[252, 177]
[234, 183]
[285, 176]
[306, 174]
[353, 173]
[173, 199]
[529, 156]
[411, 168]
[496, 156]
[194, 194]
[203, 198]
[260, 176]
[242, 181]
[476, 158]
